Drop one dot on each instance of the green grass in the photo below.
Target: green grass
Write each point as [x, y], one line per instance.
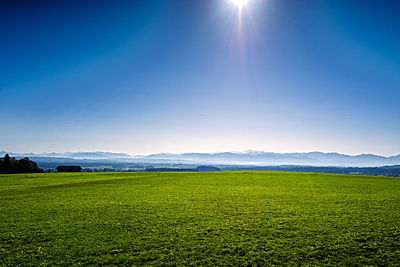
[223, 218]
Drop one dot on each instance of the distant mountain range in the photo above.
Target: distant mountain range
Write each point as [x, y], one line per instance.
[258, 158]
[74, 155]
[270, 158]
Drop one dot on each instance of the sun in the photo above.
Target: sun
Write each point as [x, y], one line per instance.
[239, 3]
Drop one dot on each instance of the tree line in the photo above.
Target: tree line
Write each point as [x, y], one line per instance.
[12, 165]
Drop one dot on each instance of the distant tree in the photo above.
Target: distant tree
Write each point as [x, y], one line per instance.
[7, 163]
[12, 165]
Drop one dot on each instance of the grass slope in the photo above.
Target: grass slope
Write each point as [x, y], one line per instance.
[223, 218]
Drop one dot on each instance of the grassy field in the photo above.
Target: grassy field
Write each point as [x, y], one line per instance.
[223, 218]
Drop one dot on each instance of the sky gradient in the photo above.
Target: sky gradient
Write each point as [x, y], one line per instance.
[180, 76]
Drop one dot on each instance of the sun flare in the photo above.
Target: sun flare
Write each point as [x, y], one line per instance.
[239, 3]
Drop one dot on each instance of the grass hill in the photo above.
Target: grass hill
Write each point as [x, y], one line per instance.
[223, 218]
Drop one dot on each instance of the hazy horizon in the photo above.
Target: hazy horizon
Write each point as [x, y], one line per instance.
[194, 152]
[145, 77]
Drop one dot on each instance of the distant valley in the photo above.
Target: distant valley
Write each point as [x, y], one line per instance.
[253, 158]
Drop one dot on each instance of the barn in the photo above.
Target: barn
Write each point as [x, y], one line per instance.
[69, 169]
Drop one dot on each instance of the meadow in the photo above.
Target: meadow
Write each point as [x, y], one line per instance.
[221, 218]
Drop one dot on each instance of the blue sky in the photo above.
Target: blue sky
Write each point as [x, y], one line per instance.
[179, 76]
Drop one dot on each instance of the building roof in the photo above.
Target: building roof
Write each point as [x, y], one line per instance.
[69, 167]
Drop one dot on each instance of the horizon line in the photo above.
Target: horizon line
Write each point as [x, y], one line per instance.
[215, 152]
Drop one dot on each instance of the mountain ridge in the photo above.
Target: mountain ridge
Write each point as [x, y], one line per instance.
[249, 157]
